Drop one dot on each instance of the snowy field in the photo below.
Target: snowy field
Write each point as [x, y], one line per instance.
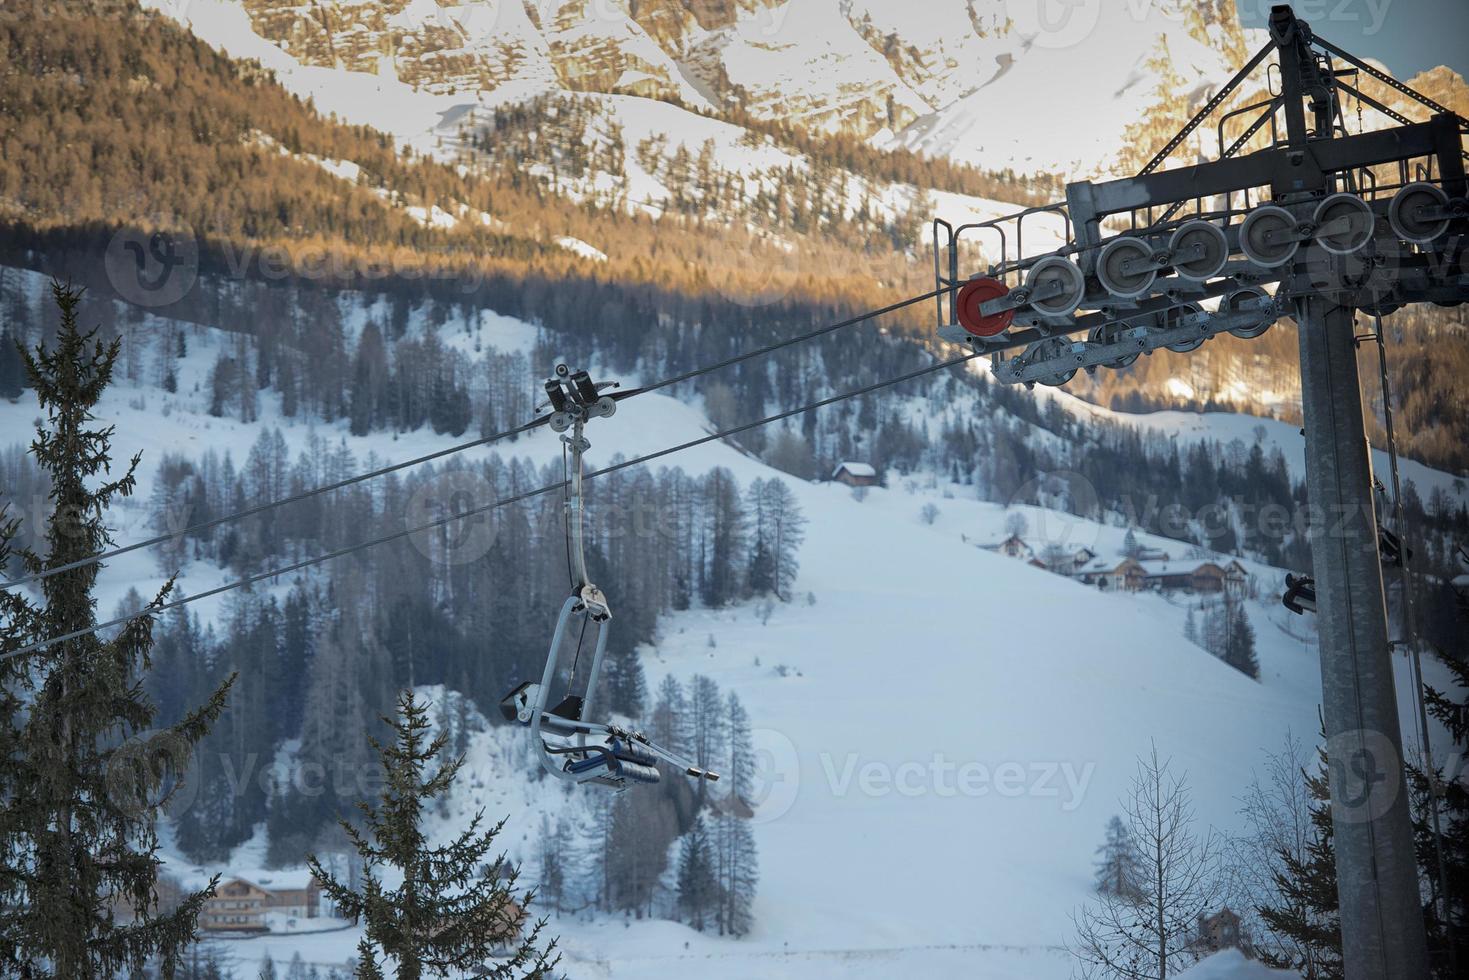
[943, 730]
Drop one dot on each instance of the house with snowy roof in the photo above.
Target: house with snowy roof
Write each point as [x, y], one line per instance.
[855, 474]
[1012, 547]
[1112, 574]
[248, 905]
[1199, 576]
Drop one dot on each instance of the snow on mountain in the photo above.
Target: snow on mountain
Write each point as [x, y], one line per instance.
[996, 84]
[943, 730]
[803, 63]
[1067, 89]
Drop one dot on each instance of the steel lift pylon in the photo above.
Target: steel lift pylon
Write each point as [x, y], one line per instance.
[1315, 225]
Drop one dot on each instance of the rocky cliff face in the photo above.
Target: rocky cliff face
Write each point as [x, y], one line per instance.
[1081, 90]
[895, 71]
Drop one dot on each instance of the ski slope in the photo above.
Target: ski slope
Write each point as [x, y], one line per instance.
[943, 731]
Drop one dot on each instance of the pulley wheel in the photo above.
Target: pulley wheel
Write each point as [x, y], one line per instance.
[1204, 247]
[1120, 267]
[967, 303]
[1403, 215]
[1044, 350]
[1172, 317]
[1111, 333]
[1047, 275]
[1353, 222]
[1237, 301]
[1262, 236]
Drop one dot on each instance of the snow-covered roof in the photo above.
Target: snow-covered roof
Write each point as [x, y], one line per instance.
[856, 469]
[1173, 567]
[1100, 565]
[274, 880]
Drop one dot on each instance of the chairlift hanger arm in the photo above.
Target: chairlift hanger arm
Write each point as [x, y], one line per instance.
[615, 756]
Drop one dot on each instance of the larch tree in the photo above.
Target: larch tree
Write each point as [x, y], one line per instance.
[787, 531]
[86, 774]
[1150, 935]
[453, 908]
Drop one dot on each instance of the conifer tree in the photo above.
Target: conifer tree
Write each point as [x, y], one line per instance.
[1307, 912]
[698, 886]
[12, 367]
[1448, 915]
[740, 772]
[449, 913]
[1119, 865]
[738, 873]
[85, 779]
[552, 882]
[1239, 643]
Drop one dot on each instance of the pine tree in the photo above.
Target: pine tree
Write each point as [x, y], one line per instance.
[1119, 865]
[12, 367]
[551, 879]
[788, 530]
[697, 885]
[85, 783]
[741, 770]
[448, 914]
[670, 725]
[1307, 912]
[1448, 938]
[706, 726]
[1239, 641]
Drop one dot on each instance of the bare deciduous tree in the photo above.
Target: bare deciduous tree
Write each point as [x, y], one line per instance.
[1151, 935]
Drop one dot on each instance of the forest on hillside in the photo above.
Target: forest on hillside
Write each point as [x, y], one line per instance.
[647, 308]
[162, 105]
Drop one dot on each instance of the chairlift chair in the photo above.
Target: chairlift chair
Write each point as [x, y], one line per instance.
[1300, 594]
[569, 745]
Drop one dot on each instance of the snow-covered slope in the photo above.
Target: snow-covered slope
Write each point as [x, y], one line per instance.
[944, 731]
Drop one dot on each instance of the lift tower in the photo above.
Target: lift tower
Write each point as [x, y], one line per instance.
[1334, 222]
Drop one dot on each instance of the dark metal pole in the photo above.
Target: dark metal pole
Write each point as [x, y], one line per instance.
[1377, 873]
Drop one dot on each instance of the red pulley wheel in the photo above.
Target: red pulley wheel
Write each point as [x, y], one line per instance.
[966, 306]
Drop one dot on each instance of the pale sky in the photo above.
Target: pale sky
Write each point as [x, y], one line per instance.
[1406, 35]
